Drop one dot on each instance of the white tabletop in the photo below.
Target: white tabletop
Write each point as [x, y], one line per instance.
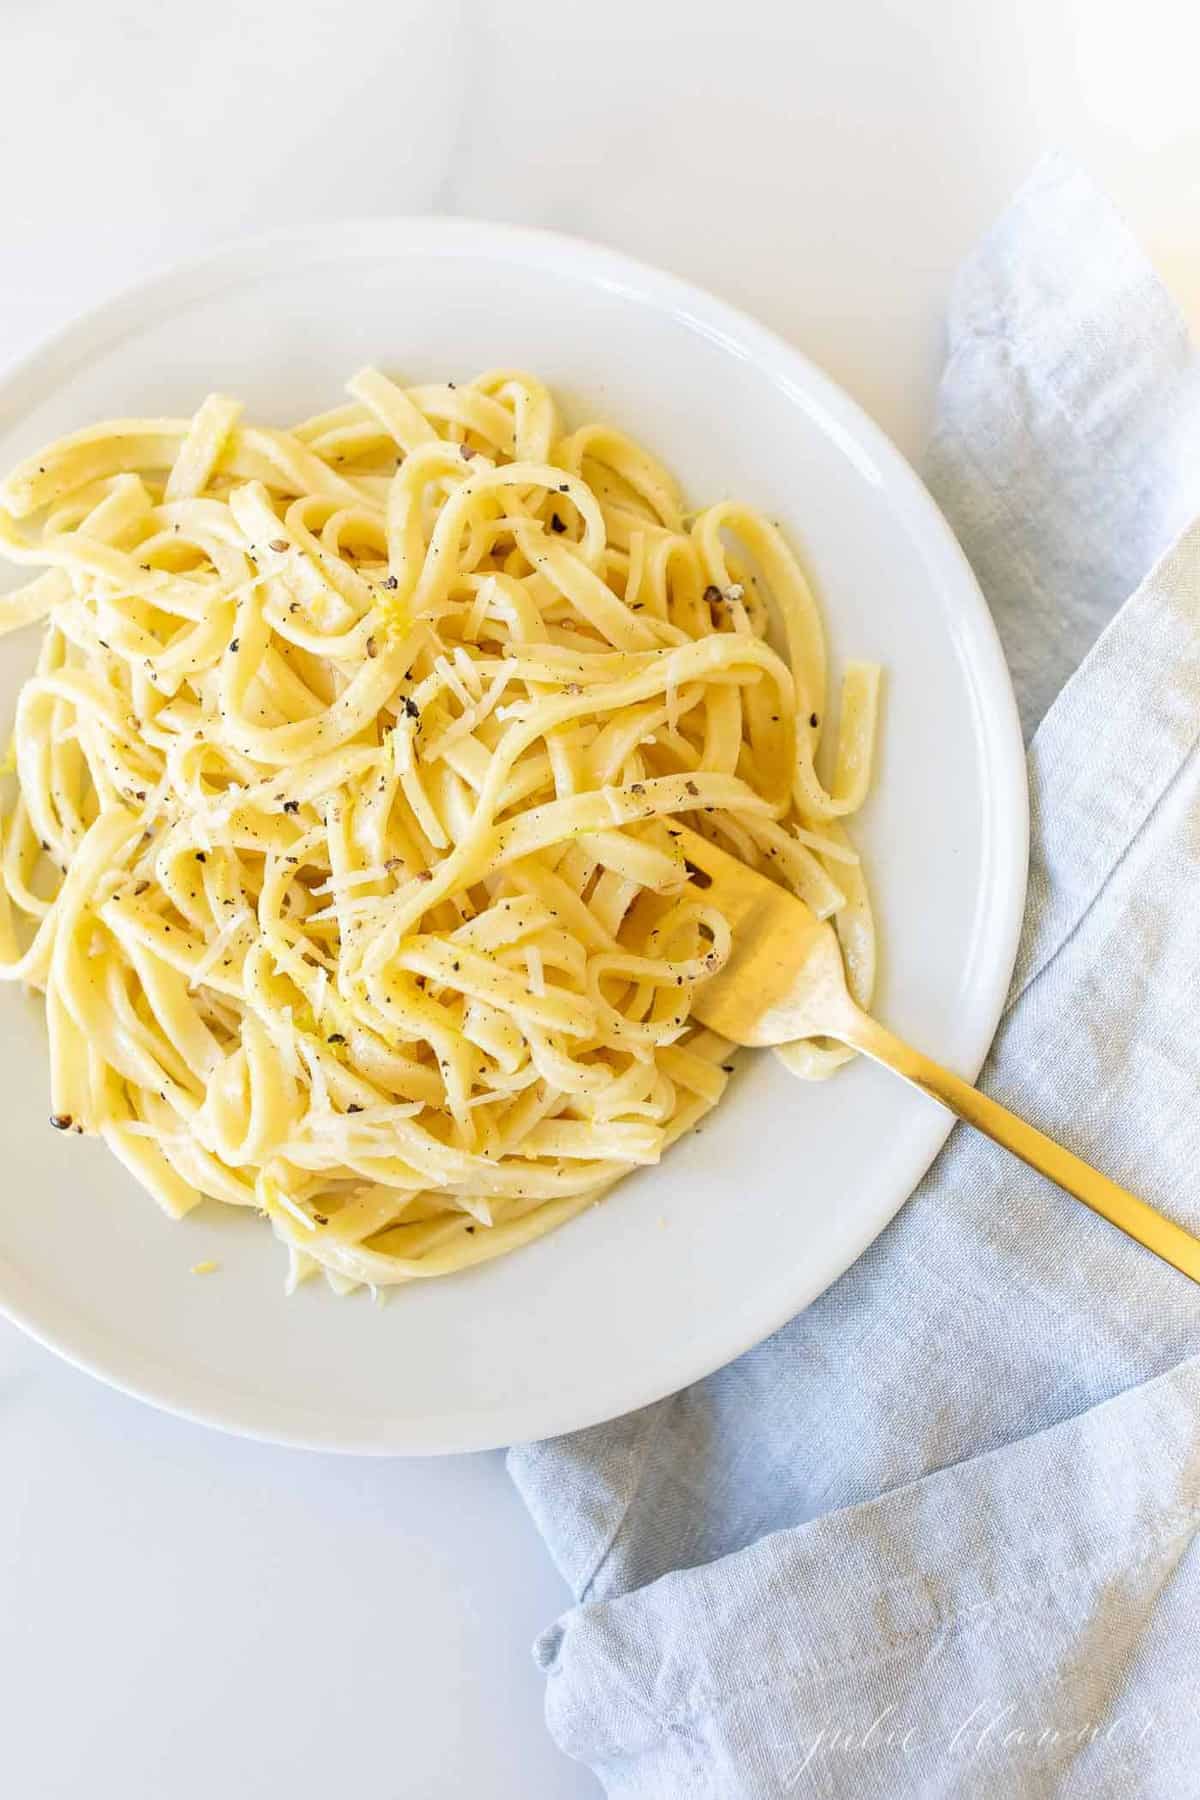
[184, 1614]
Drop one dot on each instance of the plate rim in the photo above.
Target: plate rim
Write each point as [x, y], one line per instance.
[31, 377]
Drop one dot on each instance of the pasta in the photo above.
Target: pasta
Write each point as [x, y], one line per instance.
[342, 839]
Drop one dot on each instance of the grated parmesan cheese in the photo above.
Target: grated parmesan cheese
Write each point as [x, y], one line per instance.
[366, 906]
[357, 878]
[298, 1213]
[469, 672]
[321, 987]
[468, 721]
[400, 739]
[479, 609]
[219, 945]
[285, 1041]
[453, 680]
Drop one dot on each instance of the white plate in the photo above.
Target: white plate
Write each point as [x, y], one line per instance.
[683, 1266]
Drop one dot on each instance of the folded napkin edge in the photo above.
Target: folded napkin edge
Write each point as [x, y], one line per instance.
[1083, 753]
[655, 1645]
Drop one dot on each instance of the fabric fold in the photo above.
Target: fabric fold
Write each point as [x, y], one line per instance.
[807, 1636]
[1067, 445]
[967, 1475]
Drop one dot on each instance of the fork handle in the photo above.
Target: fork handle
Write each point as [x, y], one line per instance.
[1121, 1208]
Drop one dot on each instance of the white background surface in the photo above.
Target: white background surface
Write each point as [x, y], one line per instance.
[180, 1614]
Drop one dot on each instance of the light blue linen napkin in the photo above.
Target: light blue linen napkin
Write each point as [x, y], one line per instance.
[938, 1535]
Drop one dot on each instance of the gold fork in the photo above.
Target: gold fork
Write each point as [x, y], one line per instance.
[785, 979]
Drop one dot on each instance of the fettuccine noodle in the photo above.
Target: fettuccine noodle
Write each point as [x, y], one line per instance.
[342, 848]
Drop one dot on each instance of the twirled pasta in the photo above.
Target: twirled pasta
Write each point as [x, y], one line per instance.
[346, 781]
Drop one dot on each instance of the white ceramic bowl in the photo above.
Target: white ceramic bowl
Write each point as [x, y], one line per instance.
[683, 1266]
